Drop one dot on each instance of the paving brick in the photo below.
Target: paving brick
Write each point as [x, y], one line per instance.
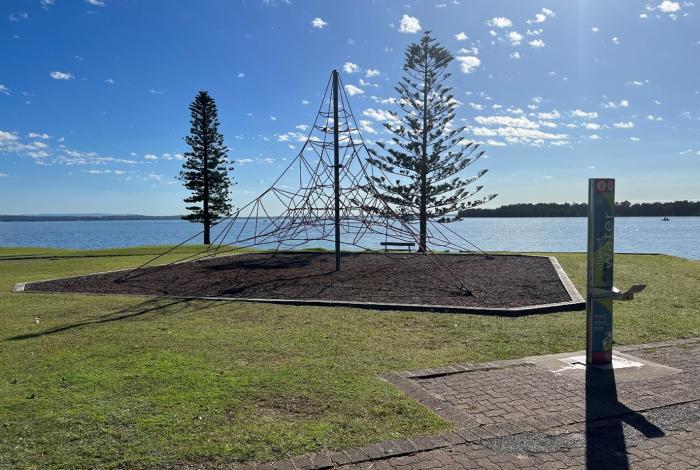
[514, 415]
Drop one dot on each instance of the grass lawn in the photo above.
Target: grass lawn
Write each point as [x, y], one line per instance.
[109, 381]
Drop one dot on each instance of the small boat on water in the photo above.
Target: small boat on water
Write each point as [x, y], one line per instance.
[665, 219]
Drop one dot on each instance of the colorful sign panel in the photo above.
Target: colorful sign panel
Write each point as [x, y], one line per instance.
[601, 230]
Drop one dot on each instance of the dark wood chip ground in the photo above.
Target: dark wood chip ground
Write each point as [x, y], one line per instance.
[501, 281]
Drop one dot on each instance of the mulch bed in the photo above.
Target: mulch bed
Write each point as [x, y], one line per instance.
[501, 281]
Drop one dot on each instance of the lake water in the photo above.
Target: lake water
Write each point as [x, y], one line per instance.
[679, 237]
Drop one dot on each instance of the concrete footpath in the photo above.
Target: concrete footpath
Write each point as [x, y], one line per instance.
[548, 412]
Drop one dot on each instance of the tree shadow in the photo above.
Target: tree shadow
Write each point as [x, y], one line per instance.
[150, 306]
[605, 418]
[265, 262]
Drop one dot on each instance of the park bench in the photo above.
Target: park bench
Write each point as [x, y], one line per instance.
[405, 245]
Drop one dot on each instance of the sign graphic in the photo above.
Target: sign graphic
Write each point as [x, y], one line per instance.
[599, 308]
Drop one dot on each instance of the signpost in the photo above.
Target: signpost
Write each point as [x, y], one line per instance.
[601, 232]
[601, 292]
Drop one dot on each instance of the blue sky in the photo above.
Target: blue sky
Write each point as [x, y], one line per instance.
[94, 93]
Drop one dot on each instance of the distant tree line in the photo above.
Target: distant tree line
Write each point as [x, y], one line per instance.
[622, 209]
[79, 218]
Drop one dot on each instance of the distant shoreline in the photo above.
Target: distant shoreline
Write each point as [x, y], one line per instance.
[83, 218]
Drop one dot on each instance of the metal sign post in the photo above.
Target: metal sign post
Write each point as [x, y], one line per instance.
[601, 292]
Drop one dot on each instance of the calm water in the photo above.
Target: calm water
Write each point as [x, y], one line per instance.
[679, 237]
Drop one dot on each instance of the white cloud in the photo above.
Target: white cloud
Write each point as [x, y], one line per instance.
[594, 137]
[615, 105]
[22, 15]
[499, 22]
[461, 36]
[56, 75]
[624, 125]
[318, 23]
[380, 115]
[96, 3]
[542, 17]
[304, 102]
[372, 73]
[536, 43]
[582, 114]
[515, 55]
[366, 127]
[349, 67]
[595, 29]
[150, 157]
[668, 7]
[36, 135]
[110, 81]
[468, 64]
[515, 38]
[506, 121]
[634, 139]
[409, 25]
[273, 118]
[45, 4]
[591, 126]
[4, 90]
[240, 75]
[651, 117]
[616, 40]
[550, 115]
[7, 137]
[352, 90]
[518, 134]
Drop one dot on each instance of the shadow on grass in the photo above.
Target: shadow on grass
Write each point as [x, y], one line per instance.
[150, 306]
[605, 415]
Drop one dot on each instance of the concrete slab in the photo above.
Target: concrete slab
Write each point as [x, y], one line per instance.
[627, 368]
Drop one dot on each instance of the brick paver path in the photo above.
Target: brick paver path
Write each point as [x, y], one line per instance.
[514, 415]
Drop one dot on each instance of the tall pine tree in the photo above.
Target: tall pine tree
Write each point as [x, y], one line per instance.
[206, 166]
[427, 153]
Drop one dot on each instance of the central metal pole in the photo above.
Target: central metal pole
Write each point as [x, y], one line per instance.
[336, 169]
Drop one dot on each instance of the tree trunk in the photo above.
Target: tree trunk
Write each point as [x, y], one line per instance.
[424, 163]
[205, 203]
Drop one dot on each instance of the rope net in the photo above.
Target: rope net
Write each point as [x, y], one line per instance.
[298, 208]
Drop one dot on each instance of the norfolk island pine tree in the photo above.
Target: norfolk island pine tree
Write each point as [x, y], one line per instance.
[206, 168]
[427, 153]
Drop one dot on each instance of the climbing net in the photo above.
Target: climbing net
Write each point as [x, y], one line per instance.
[305, 192]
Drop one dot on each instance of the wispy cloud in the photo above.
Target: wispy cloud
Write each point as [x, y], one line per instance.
[56, 75]
[19, 16]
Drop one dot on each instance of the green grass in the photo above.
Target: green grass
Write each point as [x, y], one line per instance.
[109, 381]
